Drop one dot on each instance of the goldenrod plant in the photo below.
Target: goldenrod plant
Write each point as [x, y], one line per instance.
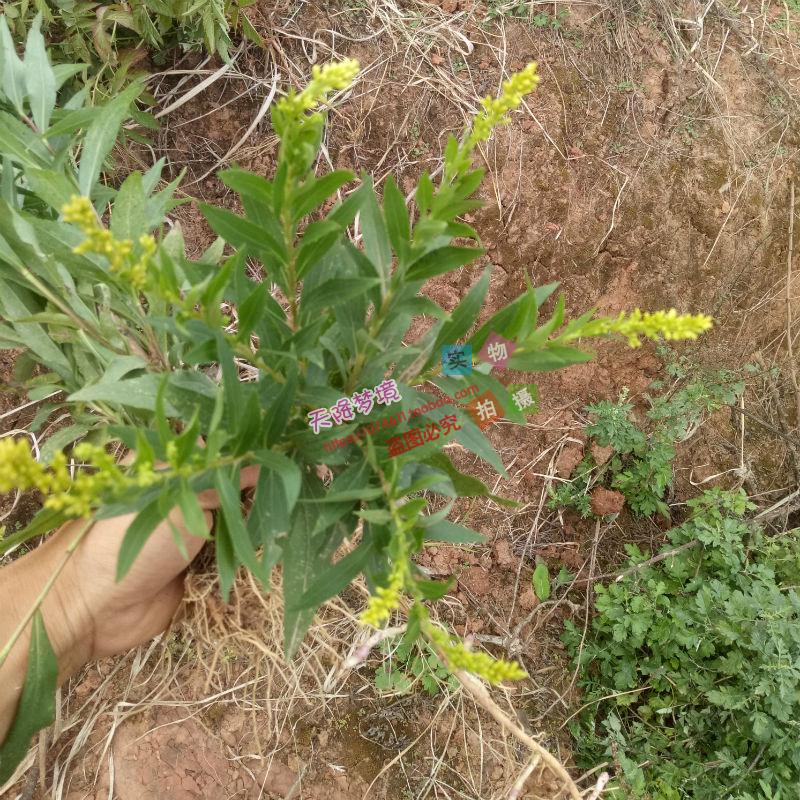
[136, 342]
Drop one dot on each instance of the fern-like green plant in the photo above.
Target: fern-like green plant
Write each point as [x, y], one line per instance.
[690, 672]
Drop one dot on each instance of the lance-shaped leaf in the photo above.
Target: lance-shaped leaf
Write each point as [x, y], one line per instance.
[37, 703]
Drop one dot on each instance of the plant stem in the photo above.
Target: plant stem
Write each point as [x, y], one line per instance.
[789, 282]
[65, 309]
[481, 696]
[374, 329]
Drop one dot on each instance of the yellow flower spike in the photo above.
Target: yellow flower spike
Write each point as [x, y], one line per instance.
[79, 211]
[491, 669]
[669, 325]
[386, 598]
[324, 79]
[99, 240]
[147, 243]
[494, 112]
[172, 453]
[18, 468]
[495, 109]
[75, 498]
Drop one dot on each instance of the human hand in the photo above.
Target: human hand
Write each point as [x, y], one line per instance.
[118, 616]
[87, 614]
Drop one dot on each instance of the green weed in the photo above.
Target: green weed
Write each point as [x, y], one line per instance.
[641, 462]
[410, 663]
[111, 39]
[691, 667]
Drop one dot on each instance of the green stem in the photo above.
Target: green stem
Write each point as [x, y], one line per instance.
[376, 323]
[65, 309]
[244, 352]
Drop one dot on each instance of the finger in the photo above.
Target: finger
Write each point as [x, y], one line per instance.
[248, 477]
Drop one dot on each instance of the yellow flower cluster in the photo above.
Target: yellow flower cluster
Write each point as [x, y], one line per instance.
[75, 498]
[668, 324]
[118, 252]
[495, 109]
[386, 598]
[458, 656]
[328, 78]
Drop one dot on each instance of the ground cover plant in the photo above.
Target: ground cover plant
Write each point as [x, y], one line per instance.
[127, 334]
[690, 669]
[640, 461]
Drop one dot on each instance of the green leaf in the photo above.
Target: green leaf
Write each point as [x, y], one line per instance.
[37, 339]
[335, 291]
[376, 239]
[468, 184]
[345, 496]
[44, 521]
[63, 73]
[40, 81]
[129, 217]
[421, 305]
[231, 385]
[424, 193]
[446, 531]
[12, 72]
[330, 580]
[226, 559]
[537, 339]
[280, 407]
[345, 212]
[138, 533]
[227, 484]
[465, 485]
[375, 515]
[471, 437]
[61, 438]
[299, 564]
[242, 233]
[318, 239]
[553, 357]
[315, 191]
[71, 121]
[252, 188]
[435, 590]
[52, 187]
[192, 511]
[441, 260]
[101, 135]
[37, 703]
[502, 321]
[384, 680]
[288, 471]
[251, 309]
[396, 213]
[464, 314]
[122, 366]
[138, 392]
[541, 581]
[20, 143]
[269, 518]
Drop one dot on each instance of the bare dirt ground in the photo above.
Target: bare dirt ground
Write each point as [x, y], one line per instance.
[651, 169]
